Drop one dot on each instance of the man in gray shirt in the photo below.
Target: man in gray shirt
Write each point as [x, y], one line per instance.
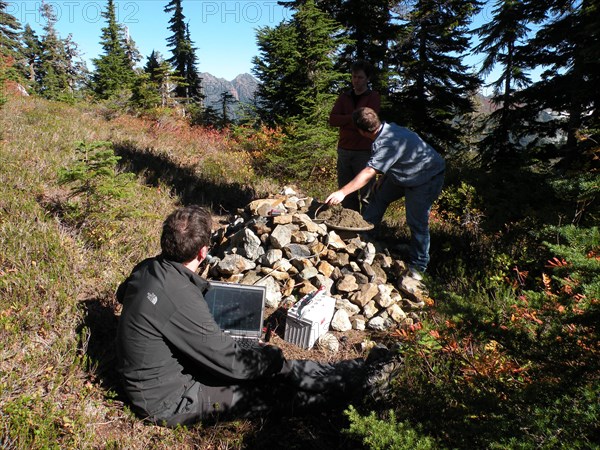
[178, 367]
[411, 168]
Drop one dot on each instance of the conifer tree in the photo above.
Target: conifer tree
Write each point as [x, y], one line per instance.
[177, 41]
[275, 68]
[114, 69]
[370, 29]
[193, 82]
[53, 79]
[503, 41]
[131, 51]
[30, 52]
[9, 46]
[296, 66]
[76, 68]
[9, 32]
[568, 45]
[298, 81]
[184, 58]
[226, 98]
[154, 61]
[144, 93]
[435, 86]
[156, 85]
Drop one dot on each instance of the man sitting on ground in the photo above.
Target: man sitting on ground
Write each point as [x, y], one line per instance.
[177, 367]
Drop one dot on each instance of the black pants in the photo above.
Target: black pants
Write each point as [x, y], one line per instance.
[301, 387]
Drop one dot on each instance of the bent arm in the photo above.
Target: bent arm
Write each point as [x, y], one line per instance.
[360, 180]
[338, 117]
[193, 331]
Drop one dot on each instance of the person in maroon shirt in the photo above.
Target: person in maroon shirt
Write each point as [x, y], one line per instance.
[353, 150]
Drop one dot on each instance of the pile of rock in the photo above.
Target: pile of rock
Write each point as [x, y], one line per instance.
[278, 243]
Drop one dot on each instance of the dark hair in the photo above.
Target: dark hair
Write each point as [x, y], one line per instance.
[364, 66]
[185, 231]
[366, 119]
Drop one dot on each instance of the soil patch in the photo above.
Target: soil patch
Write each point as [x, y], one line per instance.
[342, 217]
[351, 342]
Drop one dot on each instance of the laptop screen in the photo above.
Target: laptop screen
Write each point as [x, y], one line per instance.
[237, 308]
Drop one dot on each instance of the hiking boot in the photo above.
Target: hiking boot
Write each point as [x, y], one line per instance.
[378, 354]
[414, 273]
[379, 377]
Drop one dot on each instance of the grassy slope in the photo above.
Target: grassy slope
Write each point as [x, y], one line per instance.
[57, 307]
[56, 310]
[49, 280]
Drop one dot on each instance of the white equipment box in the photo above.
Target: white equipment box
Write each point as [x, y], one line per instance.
[308, 319]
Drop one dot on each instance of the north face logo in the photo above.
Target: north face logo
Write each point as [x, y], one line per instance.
[152, 297]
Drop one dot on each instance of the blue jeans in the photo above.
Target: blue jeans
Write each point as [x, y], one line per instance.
[349, 163]
[418, 201]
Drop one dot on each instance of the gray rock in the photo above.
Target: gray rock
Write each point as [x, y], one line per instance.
[281, 236]
[309, 272]
[272, 256]
[413, 289]
[396, 313]
[347, 284]
[380, 274]
[383, 297]
[273, 297]
[296, 251]
[368, 271]
[335, 241]
[361, 278]
[377, 323]
[348, 306]
[368, 254]
[358, 322]
[321, 280]
[341, 321]
[251, 277]
[370, 309]
[280, 275]
[247, 244]
[233, 264]
[365, 294]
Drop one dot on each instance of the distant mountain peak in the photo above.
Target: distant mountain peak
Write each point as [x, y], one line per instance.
[242, 87]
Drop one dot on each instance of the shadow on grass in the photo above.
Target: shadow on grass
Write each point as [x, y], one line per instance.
[186, 183]
[101, 321]
[315, 432]
[508, 194]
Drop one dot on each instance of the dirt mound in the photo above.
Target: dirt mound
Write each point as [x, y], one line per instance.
[347, 218]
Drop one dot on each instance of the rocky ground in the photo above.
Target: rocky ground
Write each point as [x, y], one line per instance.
[295, 246]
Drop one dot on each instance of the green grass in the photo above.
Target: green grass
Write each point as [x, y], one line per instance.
[506, 358]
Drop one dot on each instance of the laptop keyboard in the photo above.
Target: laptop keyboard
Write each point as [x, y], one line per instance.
[245, 342]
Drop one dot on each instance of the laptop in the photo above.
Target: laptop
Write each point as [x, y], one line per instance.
[238, 309]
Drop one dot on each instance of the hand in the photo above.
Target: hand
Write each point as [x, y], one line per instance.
[335, 198]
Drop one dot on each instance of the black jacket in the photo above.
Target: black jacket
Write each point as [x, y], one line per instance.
[167, 339]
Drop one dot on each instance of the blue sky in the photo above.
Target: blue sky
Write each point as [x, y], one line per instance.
[223, 31]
